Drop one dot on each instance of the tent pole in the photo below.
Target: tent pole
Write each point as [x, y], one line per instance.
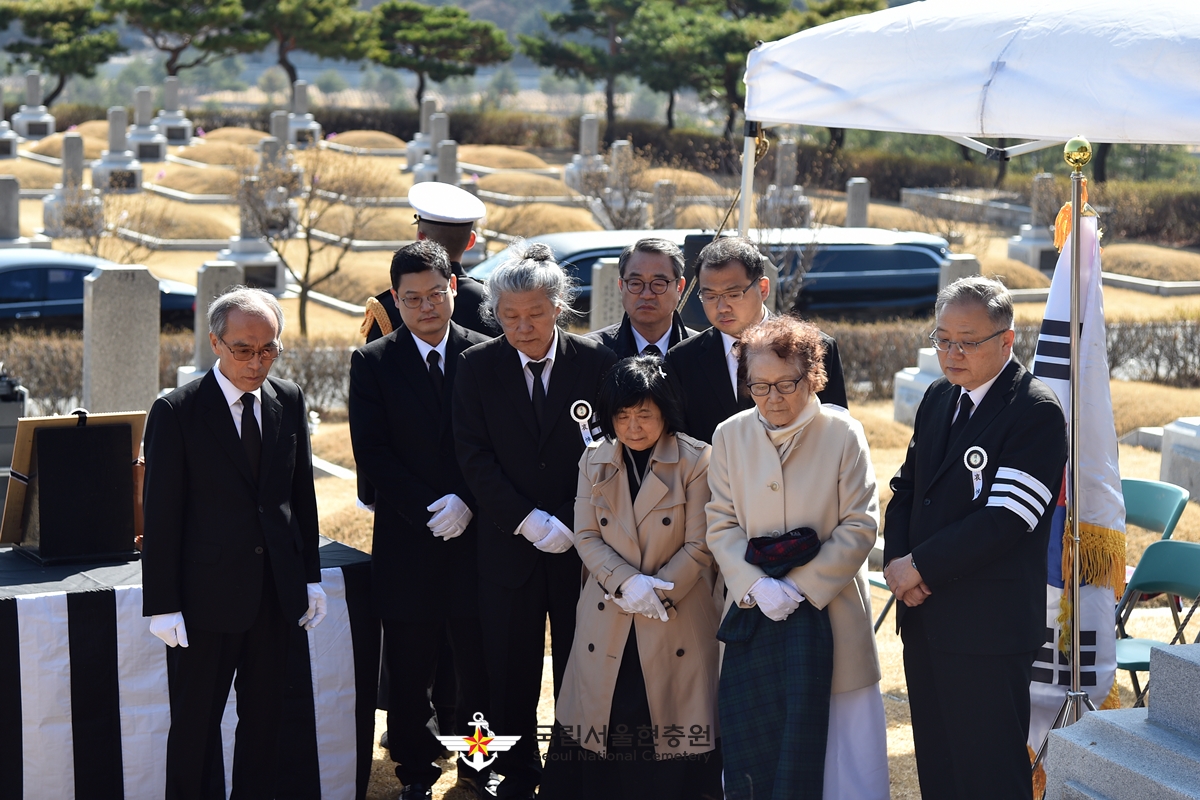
[749, 146]
[1078, 152]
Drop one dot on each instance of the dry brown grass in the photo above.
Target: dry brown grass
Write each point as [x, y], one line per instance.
[235, 135]
[52, 145]
[95, 128]
[1143, 405]
[391, 224]
[525, 185]
[533, 219]
[369, 139]
[198, 181]
[31, 174]
[388, 179]
[1014, 274]
[1125, 305]
[332, 443]
[220, 153]
[1153, 262]
[498, 157]
[687, 182]
[702, 216]
[171, 219]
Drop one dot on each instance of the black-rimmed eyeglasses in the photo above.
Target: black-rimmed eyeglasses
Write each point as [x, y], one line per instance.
[966, 348]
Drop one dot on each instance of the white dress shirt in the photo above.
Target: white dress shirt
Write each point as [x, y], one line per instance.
[549, 359]
[731, 360]
[663, 344]
[233, 396]
[424, 348]
[977, 394]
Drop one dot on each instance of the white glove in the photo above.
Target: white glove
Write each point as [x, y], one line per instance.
[450, 517]
[622, 602]
[535, 527]
[638, 592]
[558, 540]
[776, 598]
[169, 628]
[316, 607]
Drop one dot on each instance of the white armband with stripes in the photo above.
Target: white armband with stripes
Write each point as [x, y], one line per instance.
[1020, 493]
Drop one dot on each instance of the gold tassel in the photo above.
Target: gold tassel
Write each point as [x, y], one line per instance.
[1062, 223]
[1039, 774]
[1114, 697]
[1101, 563]
[375, 313]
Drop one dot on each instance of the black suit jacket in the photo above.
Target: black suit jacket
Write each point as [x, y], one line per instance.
[404, 446]
[510, 467]
[982, 560]
[208, 527]
[619, 337]
[466, 307]
[700, 372]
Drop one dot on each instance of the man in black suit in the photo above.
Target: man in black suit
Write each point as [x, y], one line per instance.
[229, 554]
[965, 549]
[519, 447]
[446, 214]
[424, 579]
[731, 278]
[651, 282]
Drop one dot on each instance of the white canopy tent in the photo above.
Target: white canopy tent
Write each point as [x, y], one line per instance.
[1042, 70]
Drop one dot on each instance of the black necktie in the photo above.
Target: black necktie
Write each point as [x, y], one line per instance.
[964, 416]
[251, 435]
[539, 390]
[652, 350]
[435, 372]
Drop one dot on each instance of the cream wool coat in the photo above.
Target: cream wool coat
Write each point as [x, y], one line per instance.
[826, 483]
[660, 534]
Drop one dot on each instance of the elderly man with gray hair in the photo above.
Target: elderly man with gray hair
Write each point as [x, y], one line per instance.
[229, 554]
[522, 409]
[965, 549]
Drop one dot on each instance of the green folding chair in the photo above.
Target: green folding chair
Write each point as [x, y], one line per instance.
[876, 580]
[1167, 567]
[1154, 505]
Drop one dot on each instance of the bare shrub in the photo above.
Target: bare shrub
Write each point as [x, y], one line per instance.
[48, 364]
[322, 370]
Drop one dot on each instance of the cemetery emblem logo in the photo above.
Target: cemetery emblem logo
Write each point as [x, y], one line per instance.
[482, 747]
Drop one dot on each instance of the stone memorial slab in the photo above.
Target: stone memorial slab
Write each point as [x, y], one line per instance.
[8, 139]
[117, 169]
[72, 209]
[261, 266]
[439, 131]
[1181, 454]
[32, 120]
[213, 279]
[419, 147]
[910, 383]
[170, 120]
[858, 201]
[1034, 245]
[664, 204]
[957, 265]
[10, 218]
[606, 295]
[588, 159]
[120, 339]
[145, 140]
[448, 170]
[784, 204]
[303, 130]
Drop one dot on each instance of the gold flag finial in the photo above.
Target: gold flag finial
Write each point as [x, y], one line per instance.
[1077, 152]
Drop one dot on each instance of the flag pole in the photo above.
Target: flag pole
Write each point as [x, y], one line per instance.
[1077, 152]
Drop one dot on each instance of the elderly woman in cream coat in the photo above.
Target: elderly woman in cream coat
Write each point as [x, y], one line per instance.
[637, 711]
[800, 707]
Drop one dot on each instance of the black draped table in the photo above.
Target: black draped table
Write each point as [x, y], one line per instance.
[84, 708]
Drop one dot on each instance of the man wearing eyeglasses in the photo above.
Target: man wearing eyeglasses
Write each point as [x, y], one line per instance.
[424, 575]
[229, 556]
[965, 549]
[651, 283]
[733, 286]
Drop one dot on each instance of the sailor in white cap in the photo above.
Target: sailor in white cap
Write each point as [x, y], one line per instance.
[445, 214]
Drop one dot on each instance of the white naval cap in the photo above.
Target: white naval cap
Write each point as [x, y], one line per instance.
[446, 204]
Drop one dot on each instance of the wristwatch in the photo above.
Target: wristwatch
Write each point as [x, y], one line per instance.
[912, 562]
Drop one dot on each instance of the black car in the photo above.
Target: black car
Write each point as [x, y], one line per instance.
[44, 289]
[861, 272]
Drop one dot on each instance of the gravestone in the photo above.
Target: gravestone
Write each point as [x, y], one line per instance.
[620, 206]
[261, 266]
[120, 339]
[664, 205]
[955, 266]
[910, 383]
[117, 169]
[213, 279]
[1181, 454]
[784, 204]
[606, 295]
[448, 170]
[72, 209]
[144, 138]
[439, 131]
[1034, 245]
[32, 121]
[8, 138]
[858, 200]
[588, 160]
[303, 130]
[279, 126]
[416, 150]
[10, 218]
[170, 121]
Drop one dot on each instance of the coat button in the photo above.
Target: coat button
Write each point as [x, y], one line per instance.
[774, 486]
[926, 501]
[603, 520]
[600, 606]
[258, 551]
[542, 465]
[260, 509]
[666, 520]
[679, 652]
[591, 648]
[774, 533]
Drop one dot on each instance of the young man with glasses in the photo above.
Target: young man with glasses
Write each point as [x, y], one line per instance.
[651, 283]
[965, 549]
[424, 579]
[229, 555]
[733, 286]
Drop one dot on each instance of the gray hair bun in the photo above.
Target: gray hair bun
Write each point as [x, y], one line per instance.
[533, 251]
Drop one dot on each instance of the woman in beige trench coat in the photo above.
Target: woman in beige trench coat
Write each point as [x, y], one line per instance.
[636, 715]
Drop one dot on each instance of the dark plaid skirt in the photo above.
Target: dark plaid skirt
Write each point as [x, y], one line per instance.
[774, 703]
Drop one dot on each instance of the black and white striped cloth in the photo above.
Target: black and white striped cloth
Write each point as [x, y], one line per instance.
[84, 705]
[1020, 493]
